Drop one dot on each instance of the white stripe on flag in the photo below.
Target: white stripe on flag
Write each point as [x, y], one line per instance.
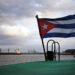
[64, 22]
[59, 30]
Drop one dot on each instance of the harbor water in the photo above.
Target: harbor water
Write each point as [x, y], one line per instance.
[14, 59]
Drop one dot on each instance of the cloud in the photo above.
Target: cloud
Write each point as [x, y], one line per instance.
[18, 9]
[19, 36]
[52, 8]
[14, 30]
[14, 9]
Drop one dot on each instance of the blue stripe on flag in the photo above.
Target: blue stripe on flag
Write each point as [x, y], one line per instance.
[64, 35]
[63, 18]
[66, 26]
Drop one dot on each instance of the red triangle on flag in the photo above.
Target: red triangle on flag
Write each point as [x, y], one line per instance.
[45, 26]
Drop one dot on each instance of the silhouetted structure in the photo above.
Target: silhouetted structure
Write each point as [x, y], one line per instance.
[69, 51]
[8, 50]
[0, 50]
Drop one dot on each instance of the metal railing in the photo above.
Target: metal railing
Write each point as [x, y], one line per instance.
[53, 48]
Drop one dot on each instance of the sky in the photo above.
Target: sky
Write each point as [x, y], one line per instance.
[18, 25]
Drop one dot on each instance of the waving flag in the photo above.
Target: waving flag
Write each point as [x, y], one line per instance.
[59, 27]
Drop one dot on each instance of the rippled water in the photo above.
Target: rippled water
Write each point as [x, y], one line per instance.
[13, 59]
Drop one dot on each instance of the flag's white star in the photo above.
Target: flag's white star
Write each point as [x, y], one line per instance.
[44, 26]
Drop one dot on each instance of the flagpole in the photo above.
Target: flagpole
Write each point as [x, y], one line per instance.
[41, 38]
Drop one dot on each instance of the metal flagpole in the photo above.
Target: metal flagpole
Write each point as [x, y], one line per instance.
[41, 38]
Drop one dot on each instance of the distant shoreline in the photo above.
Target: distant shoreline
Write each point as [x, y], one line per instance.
[18, 53]
[27, 53]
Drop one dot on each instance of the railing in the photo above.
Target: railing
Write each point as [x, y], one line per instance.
[53, 49]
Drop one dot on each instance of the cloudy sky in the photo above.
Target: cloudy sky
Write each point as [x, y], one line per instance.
[18, 25]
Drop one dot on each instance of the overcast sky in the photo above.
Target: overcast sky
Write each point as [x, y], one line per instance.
[18, 25]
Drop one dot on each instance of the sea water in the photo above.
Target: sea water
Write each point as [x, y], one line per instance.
[14, 59]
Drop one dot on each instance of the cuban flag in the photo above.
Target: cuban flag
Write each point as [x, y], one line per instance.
[59, 27]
